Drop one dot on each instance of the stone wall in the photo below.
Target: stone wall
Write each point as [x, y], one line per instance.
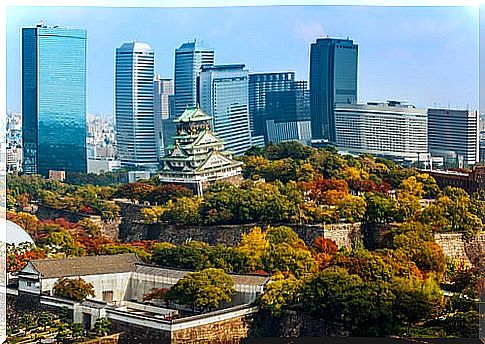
[456, 246]
[109, 228]
[132, 228]
[342, 234]
[229, 331]
[293, 324]
[130, 332]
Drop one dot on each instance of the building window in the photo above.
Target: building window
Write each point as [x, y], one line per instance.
[108, 296]
[29, 284]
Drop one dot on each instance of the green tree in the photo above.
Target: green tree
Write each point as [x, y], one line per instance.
[189, 255]
[365, 308]
[45, 319]
[77, 330]
[73, 288]
[462, 325]
[184, 211]
[27, 322]
[102, 326]
[284, 257]
[417, 300]
[203, 290]
[63, 332]
[280, 292]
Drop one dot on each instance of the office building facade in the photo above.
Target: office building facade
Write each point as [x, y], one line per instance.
[53, 99]
[454, 135]
[189, 59]
[333, 80]
[390, 129]
[288, 114]
[162, 91]
[224, 96]
[260, 84]
[135, 124]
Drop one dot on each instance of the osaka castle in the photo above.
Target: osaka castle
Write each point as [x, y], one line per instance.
[197, 156]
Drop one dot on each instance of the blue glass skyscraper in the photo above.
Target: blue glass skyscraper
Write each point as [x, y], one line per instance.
[189, 59]
[224, 95]
[333, 80]
[53, 99]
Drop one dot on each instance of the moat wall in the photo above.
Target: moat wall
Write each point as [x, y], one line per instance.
[129, 226]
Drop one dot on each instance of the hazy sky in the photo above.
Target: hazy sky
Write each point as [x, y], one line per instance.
[425, 55]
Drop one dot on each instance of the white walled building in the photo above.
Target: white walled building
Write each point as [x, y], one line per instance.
[454, 135]
[391, 129]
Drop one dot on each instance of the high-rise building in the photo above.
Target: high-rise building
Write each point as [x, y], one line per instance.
[260, 84]
[135, 125]
[453, 135]
[333, 80]
[392, 129]
[189, 59]
[164, 130]
[53, 99]
[224, 96]
[288, 114]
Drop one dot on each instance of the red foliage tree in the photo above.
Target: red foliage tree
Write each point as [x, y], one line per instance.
[323, 245]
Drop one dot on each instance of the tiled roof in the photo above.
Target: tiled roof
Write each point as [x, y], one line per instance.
[88, 265]
[193, 114]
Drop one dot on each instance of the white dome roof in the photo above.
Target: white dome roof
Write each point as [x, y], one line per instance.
[16, 234]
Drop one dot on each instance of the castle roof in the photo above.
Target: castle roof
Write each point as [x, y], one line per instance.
[193, 114]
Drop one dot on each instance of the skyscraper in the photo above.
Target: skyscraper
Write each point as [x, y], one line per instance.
[189, 59]
[135, 127]
[333, 80]
[259, 85]
[53, 99]
[453, 135]
[287, 114]
[224, 96]
[162, 91]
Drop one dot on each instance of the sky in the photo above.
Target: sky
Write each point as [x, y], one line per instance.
[427, 56]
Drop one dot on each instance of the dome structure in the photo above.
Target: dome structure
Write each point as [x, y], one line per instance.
[17, 235]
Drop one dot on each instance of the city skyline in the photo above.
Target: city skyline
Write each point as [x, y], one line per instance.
[424, 64]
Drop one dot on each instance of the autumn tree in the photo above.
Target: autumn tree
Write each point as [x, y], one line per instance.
[364, 308]
[73, 288]
[202, 290]
[280, 292]
[254, 245]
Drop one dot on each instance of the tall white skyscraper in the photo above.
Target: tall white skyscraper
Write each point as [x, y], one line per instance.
[135, 127]
[224, 95]
[162, 90]
[189, 59]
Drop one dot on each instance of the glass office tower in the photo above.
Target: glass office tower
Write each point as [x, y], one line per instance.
[224, 95]
[189, 59]
[135, 124]
[260, 84]
[54, 99]
[333, 80]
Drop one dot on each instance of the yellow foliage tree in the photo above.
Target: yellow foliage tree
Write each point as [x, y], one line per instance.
[254, 245]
